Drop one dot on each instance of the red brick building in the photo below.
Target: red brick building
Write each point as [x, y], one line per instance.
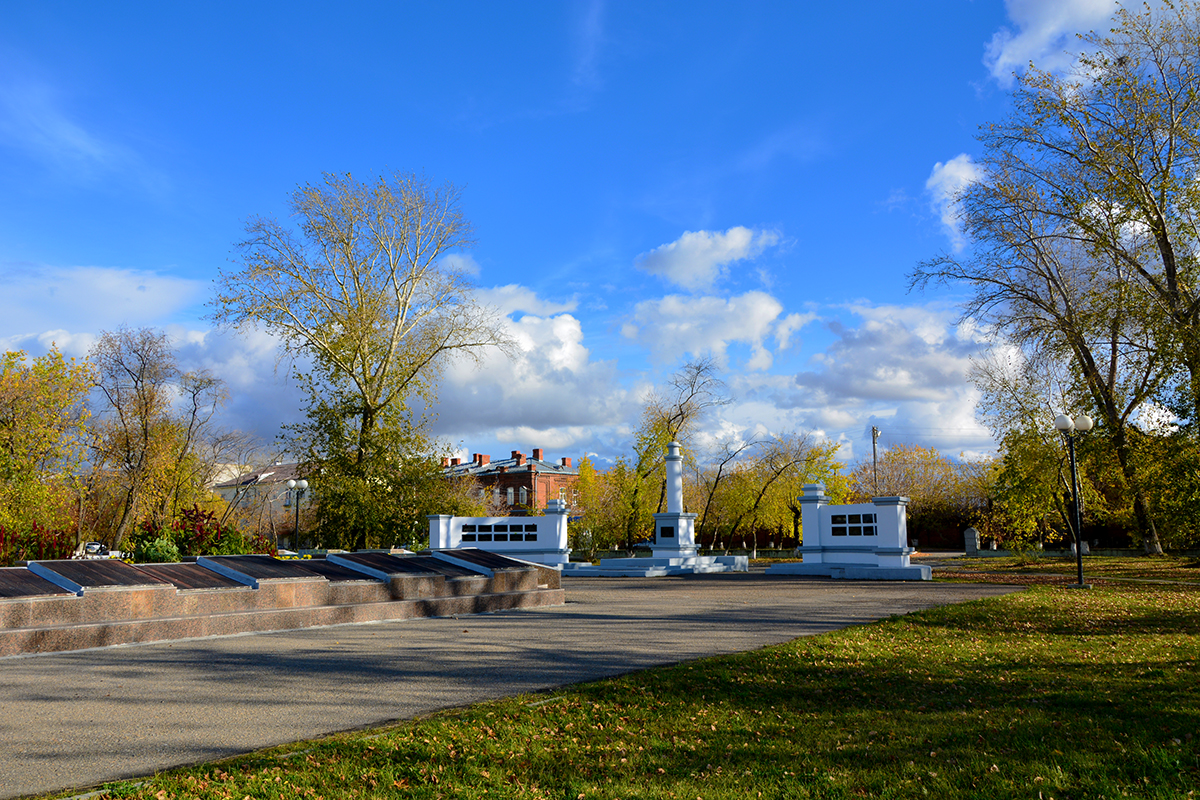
[517, 482]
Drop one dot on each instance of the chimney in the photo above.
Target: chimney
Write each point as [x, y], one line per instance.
[537, 454]
[445, 461]
[454, 462]
[566, 462]
[483, 460]
[520, 457]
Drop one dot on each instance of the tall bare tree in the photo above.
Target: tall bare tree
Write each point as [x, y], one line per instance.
[364, 286]
[1084, 225]
[150, 422]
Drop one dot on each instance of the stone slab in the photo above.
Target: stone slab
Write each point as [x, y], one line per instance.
[20, 582]
[94, 574]
[656, 567]
[189, 576]
[258, 567]
[483, 558]
[856, 572]
[384, 565]
[334, 572]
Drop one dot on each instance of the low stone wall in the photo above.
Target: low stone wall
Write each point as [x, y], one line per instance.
[70, 605]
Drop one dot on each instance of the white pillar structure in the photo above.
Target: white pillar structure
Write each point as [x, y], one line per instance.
[675, 530]
[865, 541]
[674, 549]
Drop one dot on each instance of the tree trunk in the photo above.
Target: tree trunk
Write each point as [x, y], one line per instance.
[1141, 511]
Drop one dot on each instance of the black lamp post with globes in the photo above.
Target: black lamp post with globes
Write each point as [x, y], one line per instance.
[298, 488]
[1070, 428]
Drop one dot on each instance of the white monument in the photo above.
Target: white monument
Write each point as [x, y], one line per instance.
[674, 549]
[674, 531]
[542, 540]
[864, 541]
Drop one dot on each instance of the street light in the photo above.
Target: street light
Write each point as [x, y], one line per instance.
[298, 487]
[1068, 428]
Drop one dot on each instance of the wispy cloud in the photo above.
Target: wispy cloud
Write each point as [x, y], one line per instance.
[1044, 34]
[34, 120]
[589, 39]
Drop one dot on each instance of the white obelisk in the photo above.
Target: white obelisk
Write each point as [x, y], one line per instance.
[674, 531]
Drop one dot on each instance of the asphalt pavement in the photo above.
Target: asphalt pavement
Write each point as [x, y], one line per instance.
[75, 720]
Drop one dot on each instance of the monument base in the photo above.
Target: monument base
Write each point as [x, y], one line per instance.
[855, 572]
[656, 566]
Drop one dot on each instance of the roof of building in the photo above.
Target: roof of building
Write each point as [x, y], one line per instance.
[517, 462]
[276, 473]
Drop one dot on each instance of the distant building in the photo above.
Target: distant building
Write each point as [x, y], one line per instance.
[517, 482]
[267, 485]
[261, 502]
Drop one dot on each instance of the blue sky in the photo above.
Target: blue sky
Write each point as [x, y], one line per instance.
[648, 183]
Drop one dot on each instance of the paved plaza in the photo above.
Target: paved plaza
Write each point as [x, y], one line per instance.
[80, 718]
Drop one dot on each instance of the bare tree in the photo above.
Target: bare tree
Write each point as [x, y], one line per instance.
[364, 287]
[670, 416]
[368, 288]
[149, 425]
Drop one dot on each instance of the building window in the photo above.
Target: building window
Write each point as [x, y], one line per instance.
[562, 493]
[510, 495]
[524, 496]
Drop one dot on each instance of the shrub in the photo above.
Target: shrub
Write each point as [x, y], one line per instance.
[157, 551]
[36, 544]
[198, 532]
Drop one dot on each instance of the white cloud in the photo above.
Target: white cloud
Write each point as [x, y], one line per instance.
[944, 184]
[788, 326]
[900, 367]
[676, 325]
[696, 259]
[589, 38]
[36, 300]
[262, 394]
[513, 298]
[32, 119]
[1045, 32]
[550, 393]
[462, 262]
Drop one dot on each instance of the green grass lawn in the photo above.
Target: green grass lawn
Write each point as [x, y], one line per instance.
[1172, 568]
[1048, 693]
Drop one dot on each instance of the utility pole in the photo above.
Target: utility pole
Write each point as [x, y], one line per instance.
[875, 456]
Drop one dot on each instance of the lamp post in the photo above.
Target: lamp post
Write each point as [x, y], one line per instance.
[1069, 428]
[298, 488]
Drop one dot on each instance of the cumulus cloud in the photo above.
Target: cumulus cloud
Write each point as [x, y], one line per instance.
[788, 326]
[675, 326]
[262, 393]
[515, 298]
[698, 258]
[945, 182]
[903, 368]
[549, 393]
[1044, 33]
